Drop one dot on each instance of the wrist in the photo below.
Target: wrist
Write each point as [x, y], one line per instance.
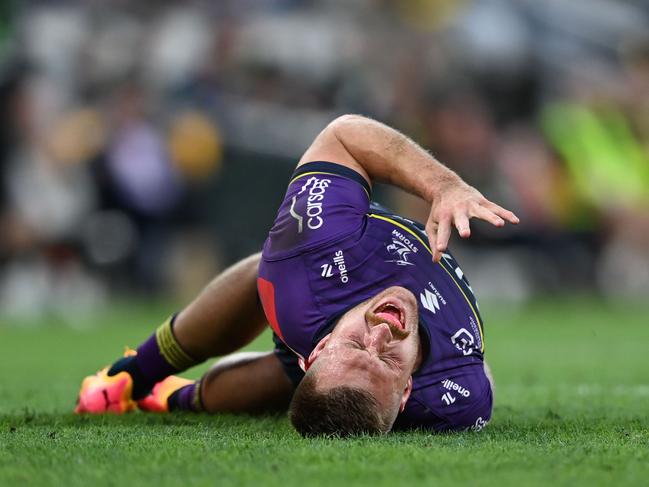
[440, 183]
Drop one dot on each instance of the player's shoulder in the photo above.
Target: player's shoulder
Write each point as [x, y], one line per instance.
[321, 170]
[324, 201]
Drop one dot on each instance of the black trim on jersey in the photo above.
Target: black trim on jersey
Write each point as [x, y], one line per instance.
[288, 360]
[331, 167]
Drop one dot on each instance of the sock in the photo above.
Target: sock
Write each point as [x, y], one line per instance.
[187, 398]
[157, 358]
[141, 384]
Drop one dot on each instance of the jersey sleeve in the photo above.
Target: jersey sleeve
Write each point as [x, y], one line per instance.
[324, 202]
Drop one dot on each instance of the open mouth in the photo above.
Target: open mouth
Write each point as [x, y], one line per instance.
[391, 314]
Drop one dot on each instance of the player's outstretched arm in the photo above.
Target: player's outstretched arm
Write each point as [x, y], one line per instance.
[383, 154]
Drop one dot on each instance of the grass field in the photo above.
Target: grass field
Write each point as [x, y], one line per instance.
[572, 408]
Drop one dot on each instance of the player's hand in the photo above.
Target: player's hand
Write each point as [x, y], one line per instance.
[454, 206]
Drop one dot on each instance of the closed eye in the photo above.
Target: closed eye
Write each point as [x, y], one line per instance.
[385, 358]
[389, 362]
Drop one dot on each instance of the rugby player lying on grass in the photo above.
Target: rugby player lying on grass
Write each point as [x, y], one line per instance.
[368, 303]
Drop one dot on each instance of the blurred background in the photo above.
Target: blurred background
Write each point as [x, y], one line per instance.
[146, 145]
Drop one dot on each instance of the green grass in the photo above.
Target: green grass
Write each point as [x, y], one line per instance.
[572, 408]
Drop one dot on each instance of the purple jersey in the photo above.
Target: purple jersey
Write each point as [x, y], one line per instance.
[331, 249]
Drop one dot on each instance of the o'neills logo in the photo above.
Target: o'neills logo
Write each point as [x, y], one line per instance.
[452, 386]
[339, 261]
[314, 200]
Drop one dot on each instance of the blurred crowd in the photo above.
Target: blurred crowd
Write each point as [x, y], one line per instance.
[145, 145]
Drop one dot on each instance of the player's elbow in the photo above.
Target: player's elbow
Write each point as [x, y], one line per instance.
[346, 128]
[344, 123]
[348, 118]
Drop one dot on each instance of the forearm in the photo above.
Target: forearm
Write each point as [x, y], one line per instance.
[380, 153]
[388, 156]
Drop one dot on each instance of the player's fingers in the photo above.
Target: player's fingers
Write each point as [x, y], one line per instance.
[462, 224]
[487, 215]
[431, 232]
[502, 212]
[443, 234]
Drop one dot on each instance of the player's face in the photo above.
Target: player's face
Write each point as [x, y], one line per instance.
[374, 347]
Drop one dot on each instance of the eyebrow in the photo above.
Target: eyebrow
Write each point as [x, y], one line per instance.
[357, 343]
[360, 346]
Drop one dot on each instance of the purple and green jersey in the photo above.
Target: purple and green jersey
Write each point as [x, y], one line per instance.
[330, 249]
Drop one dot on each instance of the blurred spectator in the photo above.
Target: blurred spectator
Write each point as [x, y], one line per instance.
[147, 143]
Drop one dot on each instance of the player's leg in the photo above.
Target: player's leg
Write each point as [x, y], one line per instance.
[243, 382]
[223, 318]
[246, 382]
[250, 382]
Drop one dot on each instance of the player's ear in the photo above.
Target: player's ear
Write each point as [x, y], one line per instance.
[317, 350]
[406, 394]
